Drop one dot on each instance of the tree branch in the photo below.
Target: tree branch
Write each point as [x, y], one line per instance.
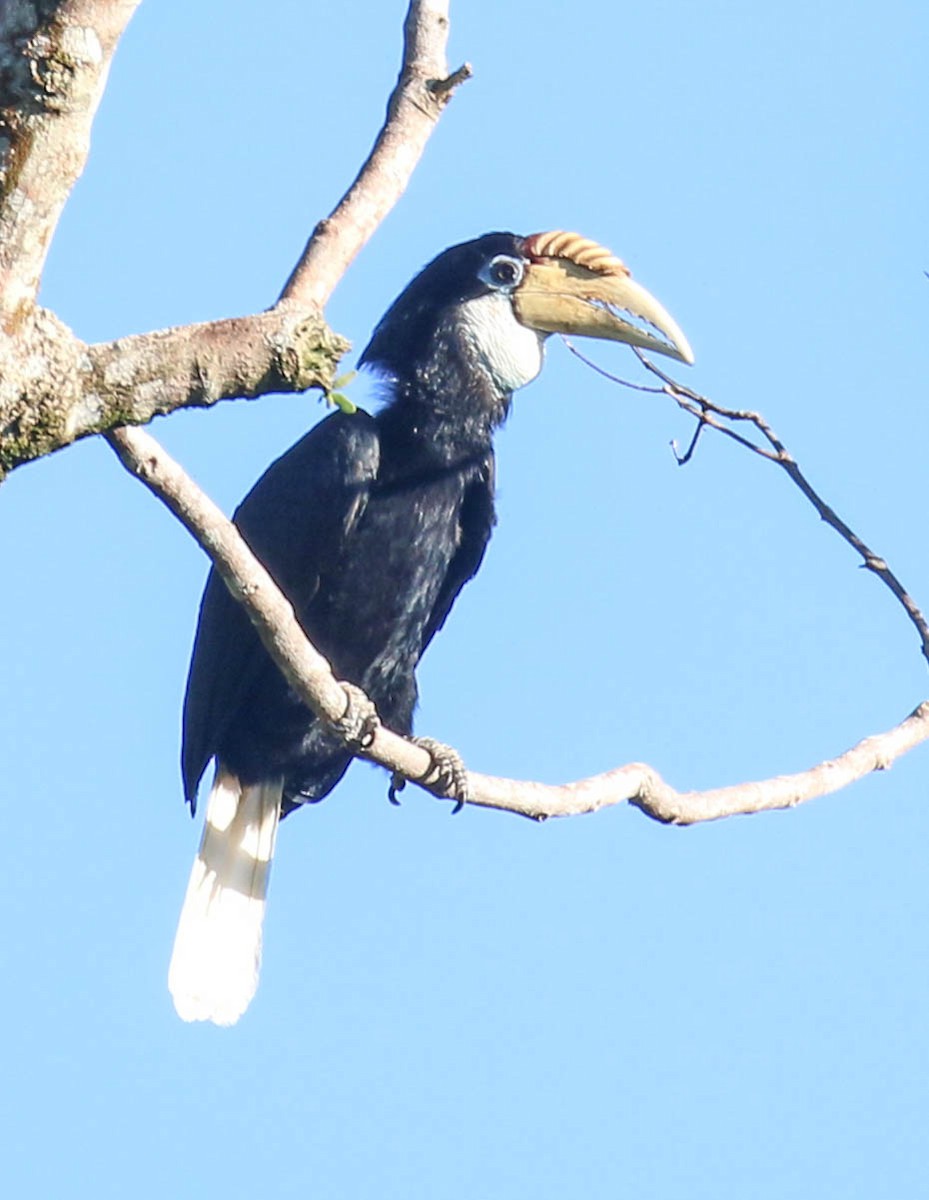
[311, 677]
[55, 389]
[54, 59]
[644, 788]
[306, 670]
[416, 103]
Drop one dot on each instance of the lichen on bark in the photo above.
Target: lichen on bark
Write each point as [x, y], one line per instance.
[54, 389]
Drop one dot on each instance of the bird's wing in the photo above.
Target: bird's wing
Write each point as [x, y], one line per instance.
[476, 523]
[295, 519]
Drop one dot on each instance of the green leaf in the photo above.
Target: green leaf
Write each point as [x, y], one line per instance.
[341, 401]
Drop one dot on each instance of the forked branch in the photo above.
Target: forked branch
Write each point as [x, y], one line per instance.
[55, 389]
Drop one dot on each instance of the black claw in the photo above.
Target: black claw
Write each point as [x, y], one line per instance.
[397, 784]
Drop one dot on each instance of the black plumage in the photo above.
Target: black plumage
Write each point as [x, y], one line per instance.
[371, 526]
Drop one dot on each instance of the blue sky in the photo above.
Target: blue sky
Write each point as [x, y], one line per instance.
[479, 1006]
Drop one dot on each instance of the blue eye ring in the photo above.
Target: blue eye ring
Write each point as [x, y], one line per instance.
[504, 271]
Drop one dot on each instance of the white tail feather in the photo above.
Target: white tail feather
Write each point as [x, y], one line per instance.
[217, 950]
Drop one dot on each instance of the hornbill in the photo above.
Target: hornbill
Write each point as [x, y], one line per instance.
[371, 525]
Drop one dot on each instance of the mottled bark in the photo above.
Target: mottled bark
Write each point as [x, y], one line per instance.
[55, 389]
[54, 61]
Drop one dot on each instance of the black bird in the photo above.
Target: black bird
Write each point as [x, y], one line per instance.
[371, 525]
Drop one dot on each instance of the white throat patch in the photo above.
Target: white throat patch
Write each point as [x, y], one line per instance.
[510, 352]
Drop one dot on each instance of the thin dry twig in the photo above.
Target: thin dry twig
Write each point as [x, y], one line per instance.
[416, 103]
[708, 413]
[642, 787]
[779, 454]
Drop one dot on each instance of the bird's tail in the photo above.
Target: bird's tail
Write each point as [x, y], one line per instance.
[217, 949]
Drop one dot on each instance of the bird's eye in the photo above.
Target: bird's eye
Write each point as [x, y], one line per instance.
[504, 271]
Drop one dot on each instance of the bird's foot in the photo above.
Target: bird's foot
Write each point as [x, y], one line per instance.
[359, 723]
[446, 772]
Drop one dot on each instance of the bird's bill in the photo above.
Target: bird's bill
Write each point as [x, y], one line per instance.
[561, 295]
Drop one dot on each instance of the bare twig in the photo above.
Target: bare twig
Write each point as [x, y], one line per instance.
[423, 89]
[311, 676]
[626, 383]
[644, 788]
[708, 413]
[778, 453]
